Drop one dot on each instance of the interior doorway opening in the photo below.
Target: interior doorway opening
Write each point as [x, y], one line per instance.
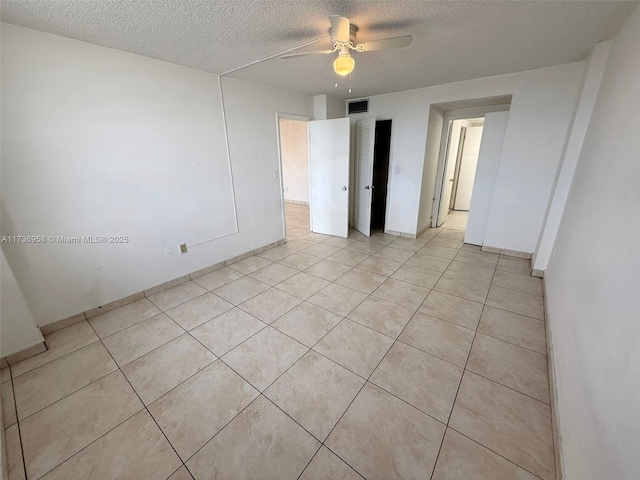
[461, 161]
[293, 143]
[372, 159]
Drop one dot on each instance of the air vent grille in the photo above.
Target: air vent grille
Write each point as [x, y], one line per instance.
[359, 106]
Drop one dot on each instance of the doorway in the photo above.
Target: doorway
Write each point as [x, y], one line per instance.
[461, 160]
[293, 143]
[372, 158]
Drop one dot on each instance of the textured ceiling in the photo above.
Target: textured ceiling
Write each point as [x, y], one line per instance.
[452, 40]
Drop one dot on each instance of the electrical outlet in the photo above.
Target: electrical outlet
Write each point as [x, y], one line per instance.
[168, 252]
[183, 248]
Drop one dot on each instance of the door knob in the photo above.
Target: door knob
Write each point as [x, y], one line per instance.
[344, 189]
[367, 187]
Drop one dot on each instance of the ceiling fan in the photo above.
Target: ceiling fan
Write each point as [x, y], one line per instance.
[343, 36]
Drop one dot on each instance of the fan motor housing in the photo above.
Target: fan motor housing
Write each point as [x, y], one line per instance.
[352, 34]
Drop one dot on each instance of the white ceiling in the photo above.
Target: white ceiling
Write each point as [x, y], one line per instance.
[452, 40]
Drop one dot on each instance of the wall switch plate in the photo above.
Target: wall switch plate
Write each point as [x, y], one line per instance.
[168, 252]
[183, 248]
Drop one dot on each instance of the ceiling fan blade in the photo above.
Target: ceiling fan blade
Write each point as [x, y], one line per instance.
[384, 43]
[340, 28]
[303, 54]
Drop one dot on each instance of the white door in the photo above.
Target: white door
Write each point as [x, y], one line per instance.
[365, 140]
[329, 176]
[468, 164]
[455, 135]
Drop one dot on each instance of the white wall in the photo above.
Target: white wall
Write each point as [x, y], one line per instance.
[102, 142]
[495, 125]
[540, 115]
[468, 164]
[593, 76]
[593, 282]
[294, 150]
[18, 330]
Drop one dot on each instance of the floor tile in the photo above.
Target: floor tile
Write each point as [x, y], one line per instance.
[59, 343]
[46, 384]
[325, 465]
[354, 347]
[15, 467]
[424, 381]
[123, 317]
[134, 342]
[452, 233]
[402, 442]
[9, 416]
[382, 238]
[241, 290]
[469, 289]
[299, 261]
[61, 430]
[6, 374]
[461, 458]
[483, 259]
[380, 266]
[514, 281]
[471, 248]
[193, 412]
[524, 331]
[446, 242]
[470, 271]
[361, 280]
[315, 392]
[181, 474]
[135, 449]
[174, 296]
[227, 331]
[407, 244]
[250, 264]
[157, 372]
[338, 241]
[298, 245]
[270, 304]
[521, 266]
[417, 276]
[328, 270]
[264, 357]
[337, 299]
[315, 237]
[430, 262]
[382, 316]
[511, 424]
[438, 337]
[438, 251]
[199, 310]
[320, 250]
[362, 246]
[394, 254]
[218, 278]
[402, 293]
[453, 309]
[516, 302]
[261, 442]
[277, 253]
[273, 274]
[307, 323]
[302, 285]
[512, 366]
[348, 257]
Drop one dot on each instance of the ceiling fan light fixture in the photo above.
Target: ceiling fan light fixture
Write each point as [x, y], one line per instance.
[344, 64]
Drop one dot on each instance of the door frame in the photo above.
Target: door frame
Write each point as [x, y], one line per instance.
[353, 119]
[448, 118]
[301, 118]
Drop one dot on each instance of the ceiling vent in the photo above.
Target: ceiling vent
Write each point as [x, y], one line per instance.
[359, 106]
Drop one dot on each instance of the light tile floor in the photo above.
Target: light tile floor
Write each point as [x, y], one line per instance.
[327, 358]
